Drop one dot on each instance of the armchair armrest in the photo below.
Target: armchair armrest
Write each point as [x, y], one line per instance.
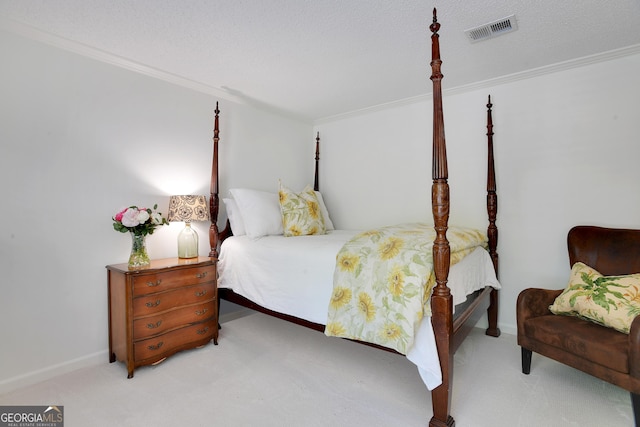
[535, 302]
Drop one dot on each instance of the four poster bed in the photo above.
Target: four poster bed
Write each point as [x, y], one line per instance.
[445, 329]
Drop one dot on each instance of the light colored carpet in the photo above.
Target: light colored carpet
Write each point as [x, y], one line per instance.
[267, 372]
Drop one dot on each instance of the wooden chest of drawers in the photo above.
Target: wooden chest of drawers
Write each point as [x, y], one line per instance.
[162, 309]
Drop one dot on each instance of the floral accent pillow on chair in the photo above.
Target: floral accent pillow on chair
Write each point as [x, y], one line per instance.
[612, 301]
[301, 214]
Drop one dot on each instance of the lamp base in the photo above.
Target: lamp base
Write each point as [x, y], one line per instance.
[188, 242]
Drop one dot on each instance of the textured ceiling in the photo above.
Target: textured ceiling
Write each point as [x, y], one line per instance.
[320, 58]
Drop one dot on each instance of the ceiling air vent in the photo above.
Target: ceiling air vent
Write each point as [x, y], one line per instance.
[492, 29]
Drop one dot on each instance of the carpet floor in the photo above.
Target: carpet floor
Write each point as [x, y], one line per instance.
[267, 372]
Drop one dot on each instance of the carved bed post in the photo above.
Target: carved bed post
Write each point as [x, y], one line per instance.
[316, 183]
[214, 201]
[492, 230]
[492, 198]
[441, 300]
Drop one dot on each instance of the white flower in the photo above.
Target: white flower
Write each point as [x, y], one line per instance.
[156, 218]
[130, 218]
[143, 216]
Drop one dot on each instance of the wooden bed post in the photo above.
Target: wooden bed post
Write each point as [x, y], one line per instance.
[214, 201]
[316, 183]
[492, 198]
[492, 230]
[441, 300]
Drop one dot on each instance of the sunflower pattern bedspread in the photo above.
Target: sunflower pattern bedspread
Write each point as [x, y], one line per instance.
[383, 281]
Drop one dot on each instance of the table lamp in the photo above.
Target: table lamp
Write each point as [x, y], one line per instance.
[188, 209]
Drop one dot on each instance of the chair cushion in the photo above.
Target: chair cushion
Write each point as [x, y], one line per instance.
[612, 301]
[588, 340]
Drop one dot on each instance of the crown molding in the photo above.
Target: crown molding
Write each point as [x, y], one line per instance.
[228, 94]
[32, 33]
[510, 78]
[35, 34]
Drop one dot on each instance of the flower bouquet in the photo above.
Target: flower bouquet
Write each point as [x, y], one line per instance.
[139, 222]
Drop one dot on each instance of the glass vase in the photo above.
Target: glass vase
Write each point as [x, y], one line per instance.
[188, 242]
[139, 257]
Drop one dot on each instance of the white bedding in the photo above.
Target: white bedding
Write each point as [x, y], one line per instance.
[294, 275]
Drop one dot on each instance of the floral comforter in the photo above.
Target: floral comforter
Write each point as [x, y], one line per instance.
[383, 281]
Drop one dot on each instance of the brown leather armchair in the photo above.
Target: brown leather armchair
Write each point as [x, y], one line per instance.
[602, 352]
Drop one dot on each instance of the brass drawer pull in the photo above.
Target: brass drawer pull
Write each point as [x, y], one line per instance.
[155, 347]
[201, 312]
[201, 293]
[152, 304]
[203, 331]
[153, 326]
[201, 275]
[154, 284]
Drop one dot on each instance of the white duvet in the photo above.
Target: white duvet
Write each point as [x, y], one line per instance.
[294, 275]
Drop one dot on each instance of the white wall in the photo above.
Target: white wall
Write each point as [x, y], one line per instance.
[567, 149]
[79, 140]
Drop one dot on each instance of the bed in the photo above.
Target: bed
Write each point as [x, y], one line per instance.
[453, 312]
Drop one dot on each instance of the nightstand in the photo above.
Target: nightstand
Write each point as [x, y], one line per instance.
[158, 310]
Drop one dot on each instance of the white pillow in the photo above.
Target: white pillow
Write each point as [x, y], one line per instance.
[235, 218]
[260, 211]
[328, 225]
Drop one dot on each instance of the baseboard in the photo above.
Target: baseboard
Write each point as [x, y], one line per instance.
[53, 371]
[94, 359]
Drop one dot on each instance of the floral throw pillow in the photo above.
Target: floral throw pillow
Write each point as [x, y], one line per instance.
[612, 301]
[301, 214]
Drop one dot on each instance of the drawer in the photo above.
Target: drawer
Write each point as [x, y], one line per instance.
[166, 344]
[162, 281]
[162, 301]
[168, 320]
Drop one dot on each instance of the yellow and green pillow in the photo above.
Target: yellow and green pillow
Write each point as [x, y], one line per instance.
[612, 301]
[301, 213]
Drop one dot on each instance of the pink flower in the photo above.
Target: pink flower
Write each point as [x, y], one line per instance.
[118, 216]
[130, 218]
